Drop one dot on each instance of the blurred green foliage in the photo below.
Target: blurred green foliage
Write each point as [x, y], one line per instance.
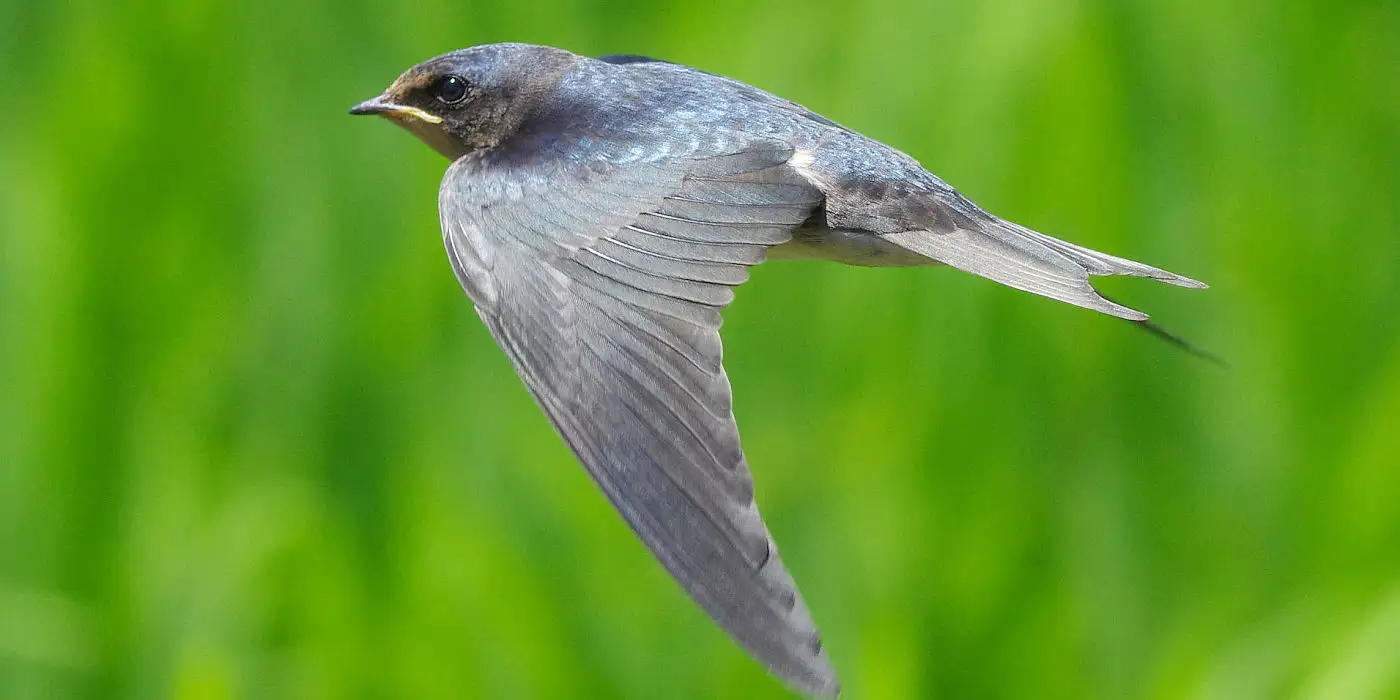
[255, 444]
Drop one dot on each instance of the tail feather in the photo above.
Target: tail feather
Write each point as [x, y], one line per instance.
[1096, 263]
[1183, 344]
[1034, 262]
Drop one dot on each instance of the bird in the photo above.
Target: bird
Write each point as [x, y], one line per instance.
[600, 212]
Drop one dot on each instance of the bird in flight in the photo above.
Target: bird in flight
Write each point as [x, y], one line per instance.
[599, 214]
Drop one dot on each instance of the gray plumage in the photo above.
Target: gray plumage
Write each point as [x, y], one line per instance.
[600, 212]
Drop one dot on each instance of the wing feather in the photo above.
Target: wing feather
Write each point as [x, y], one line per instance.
[603, 283]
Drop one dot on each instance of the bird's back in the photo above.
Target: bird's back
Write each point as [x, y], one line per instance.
[655, 109]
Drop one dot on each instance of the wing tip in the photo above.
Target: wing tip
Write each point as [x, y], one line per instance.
[804, 664]
[819, 681]
[830, 689]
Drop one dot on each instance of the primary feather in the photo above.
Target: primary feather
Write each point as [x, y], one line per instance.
[603, 284]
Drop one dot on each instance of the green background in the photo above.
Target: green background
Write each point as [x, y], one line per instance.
[255, 444]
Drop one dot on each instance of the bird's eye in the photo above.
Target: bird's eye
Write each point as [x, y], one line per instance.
[451, 90]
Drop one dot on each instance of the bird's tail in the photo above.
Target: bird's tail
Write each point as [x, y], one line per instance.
[1034, 262]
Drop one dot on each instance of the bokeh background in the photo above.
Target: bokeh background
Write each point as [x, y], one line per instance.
[255, 444]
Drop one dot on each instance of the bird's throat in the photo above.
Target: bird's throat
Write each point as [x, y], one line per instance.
[432, 134]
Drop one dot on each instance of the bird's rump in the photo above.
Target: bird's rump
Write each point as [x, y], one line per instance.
[604, 283]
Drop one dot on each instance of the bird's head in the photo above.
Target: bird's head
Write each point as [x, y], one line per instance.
[472, 98]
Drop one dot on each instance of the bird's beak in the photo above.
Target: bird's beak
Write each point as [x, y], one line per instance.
[383, 105]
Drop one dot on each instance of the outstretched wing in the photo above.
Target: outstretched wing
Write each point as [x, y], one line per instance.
[603, 282]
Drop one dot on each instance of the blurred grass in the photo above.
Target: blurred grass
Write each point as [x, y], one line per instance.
[255, 444]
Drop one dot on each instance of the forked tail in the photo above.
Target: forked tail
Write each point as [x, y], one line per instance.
[1034, 262]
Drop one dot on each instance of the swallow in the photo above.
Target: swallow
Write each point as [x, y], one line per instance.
[600, 212]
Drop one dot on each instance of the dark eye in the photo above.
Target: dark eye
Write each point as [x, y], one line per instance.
[451, 90]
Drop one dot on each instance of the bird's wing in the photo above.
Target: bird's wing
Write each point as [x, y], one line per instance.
[603, 282]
